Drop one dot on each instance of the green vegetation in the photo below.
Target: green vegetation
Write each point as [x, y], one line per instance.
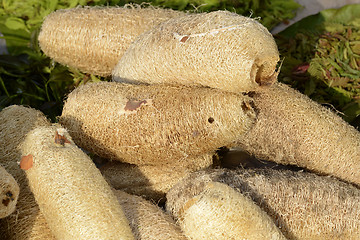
[322, 59]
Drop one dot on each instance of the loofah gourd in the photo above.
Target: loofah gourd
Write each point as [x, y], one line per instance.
[9, 193]
[154, 124]
[148, 181]
[26, 222]
[292, 129]
[212, 210]
[74, 198]
[148, 221]
[15, 122]
[303, 205]
[93, 39]
[218, 49]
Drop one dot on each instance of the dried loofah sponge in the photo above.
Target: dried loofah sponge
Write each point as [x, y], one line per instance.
[9, 193]
[154, 124]
[93, 39]
[148, 221]
[303, 205]
[212, 210]
[148, 181]
[15, 122]
[74, 198]
[26, 222]
[218, 49]
[292, 129]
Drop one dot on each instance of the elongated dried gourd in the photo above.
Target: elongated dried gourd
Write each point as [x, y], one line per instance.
[148, 221]
[148, 181]
[212, 210]
[292, 129]
[218, 49]
[15, 122]
[154, 124]
[93, 39]
[74, 198]
[9, 193]
[26, 222]
[303, 205]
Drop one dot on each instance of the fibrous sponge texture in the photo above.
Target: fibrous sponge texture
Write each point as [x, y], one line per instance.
[9, 193]
[152, 124]
[74, 198]
[148, 221]
[218, 49]
[93, 39]
[152, 181]
[26, 222]
[292, 129]
[211, 210]
[303, 205]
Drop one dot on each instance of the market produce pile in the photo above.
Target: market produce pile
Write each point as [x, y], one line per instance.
[184, 85]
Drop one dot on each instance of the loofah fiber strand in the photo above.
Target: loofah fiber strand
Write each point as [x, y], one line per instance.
[148, 181]
[74, 198]
[148, 221]
[154, 124]
[26, 222]
[303, 205]
[93, 39]
[9, 193]
[292, 129]
[212, 210]
[218, 49]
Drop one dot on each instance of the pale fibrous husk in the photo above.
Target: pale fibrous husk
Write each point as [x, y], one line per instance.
[292, 129]
[93, 39]
[26, 222]
[303, 205]
[149, 181]
[9, 193]
[219, 49]
[147, 220]
[211, 210]
[15, 122]
[73, 196]
[154, 124]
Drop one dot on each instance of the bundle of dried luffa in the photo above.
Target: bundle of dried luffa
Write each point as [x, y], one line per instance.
[188, 85]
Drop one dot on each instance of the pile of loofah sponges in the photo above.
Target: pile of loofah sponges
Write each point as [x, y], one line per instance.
[184, 86]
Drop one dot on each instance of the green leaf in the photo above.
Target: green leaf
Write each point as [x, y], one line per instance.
[15, 23]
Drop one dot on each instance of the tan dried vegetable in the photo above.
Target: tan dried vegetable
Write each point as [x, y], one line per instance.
[93, 39]
[74, 198]
[151, 181]
[154, 124]
[218, 49]
[26, 222]
[211, 210]
[303, 205]
[292, 129]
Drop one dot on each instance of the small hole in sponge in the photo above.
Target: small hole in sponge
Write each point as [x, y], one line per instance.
[246, 106]
[211, 120]
[6, 202]
[10, 195]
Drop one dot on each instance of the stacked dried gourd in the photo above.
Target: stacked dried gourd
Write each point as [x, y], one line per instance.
[185, 85]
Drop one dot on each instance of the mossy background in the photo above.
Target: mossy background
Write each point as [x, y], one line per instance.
[28, 77]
